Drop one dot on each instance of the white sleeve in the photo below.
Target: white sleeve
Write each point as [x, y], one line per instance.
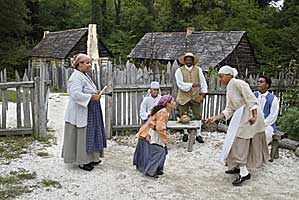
[75, 92]
[180, 83]
[203, 82]
[143, 113]
[274, 111]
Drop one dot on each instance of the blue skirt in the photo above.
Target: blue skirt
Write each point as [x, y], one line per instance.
[141, 155]
[149, 158]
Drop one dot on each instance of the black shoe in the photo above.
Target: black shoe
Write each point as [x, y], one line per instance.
[199, 139]
[233, 171]
[160, 173]
[95, 163]
[86, 167]
[185, 138]
[154, 176]
[241, 179]
[271, 160]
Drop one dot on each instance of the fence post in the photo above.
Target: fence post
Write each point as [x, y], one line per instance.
[36, 105]
[109, 102]
[42, 102]
[18, 101]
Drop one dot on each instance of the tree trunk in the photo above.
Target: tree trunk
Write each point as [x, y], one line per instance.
[117, 5]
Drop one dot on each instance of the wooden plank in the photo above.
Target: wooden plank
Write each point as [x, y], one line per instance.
[26, 104]
[134, 108]
[27, 84]
[18, 102]
[4, 108]
[212, 105]
[126, 127]
[119, 104]
[17, 131]
[192, 134]
[32, 98]
[139, 101]
[42, 109]
[129, 107]
[4, 100]
[36, 105]
[109, 102]
[124, 108]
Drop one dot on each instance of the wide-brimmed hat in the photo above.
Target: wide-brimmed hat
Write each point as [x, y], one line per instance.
[189, 54]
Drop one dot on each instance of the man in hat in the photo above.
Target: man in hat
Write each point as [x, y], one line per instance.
[150, 100]
[192, 87]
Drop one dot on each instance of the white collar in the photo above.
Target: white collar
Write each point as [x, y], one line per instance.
[189, 68]
[264, 94]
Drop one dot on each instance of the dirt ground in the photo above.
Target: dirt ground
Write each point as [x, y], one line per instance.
[188, 175]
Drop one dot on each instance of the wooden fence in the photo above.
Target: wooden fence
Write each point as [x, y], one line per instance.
[31, 104]
[129, 84]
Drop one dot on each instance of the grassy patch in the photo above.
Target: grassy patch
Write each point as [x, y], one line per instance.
[51, 183]
[13, 185]
[42, 154]
[11, 95]
[12, 147]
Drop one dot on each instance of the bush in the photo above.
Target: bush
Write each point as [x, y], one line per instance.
[289, 123]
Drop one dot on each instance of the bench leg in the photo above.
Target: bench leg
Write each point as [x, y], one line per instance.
[274, 150]
[192, 134]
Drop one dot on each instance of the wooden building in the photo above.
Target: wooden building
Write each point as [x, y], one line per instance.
[214, 48]
[56, 49]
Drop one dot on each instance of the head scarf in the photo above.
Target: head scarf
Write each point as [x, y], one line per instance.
[228, 70]
[79, 58]
[164, 100]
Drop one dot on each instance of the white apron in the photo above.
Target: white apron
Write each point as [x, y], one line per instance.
[231, 134]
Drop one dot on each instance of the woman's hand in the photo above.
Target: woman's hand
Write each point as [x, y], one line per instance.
[252, 120]
[96, 97]
[214, 118]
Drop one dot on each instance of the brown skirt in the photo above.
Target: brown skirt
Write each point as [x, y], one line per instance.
[252, 153]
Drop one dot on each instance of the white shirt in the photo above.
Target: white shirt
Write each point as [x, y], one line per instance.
[274, 110]
[187, 86]
[80, 88]
[147, 105]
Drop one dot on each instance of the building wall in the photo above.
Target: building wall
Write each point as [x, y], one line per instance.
[242, 58]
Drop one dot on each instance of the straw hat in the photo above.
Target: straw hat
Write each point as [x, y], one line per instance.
[189, 54]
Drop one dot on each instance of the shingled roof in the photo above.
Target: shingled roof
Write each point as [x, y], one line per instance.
[58, 44]
[212, 47]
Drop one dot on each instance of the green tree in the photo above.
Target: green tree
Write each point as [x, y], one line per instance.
[13, 30]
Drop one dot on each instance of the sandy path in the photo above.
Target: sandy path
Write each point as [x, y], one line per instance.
[188, 175]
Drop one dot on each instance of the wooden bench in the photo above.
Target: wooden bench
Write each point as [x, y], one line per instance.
[191, 127]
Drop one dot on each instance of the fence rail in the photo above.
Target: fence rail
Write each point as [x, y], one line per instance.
[31, 104]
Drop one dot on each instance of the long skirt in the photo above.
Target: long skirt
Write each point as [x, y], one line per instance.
[149, 158]
[156, 160]
[142, 154]
[252, 153]
[74, 146]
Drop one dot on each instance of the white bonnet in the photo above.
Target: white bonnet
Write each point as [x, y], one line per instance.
[228, 70]
[155, 85]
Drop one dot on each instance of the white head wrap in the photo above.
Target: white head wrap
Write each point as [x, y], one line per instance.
[155, 85]
[79, 58]
[228, 70]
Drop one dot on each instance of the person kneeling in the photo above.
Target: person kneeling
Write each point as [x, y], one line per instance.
[151, 149]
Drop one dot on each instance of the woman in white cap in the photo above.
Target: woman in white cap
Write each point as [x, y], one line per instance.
[245, 143]
[150, 100]
[84, 132]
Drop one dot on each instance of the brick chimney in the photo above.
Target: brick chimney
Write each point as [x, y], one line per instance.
[189, 31]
